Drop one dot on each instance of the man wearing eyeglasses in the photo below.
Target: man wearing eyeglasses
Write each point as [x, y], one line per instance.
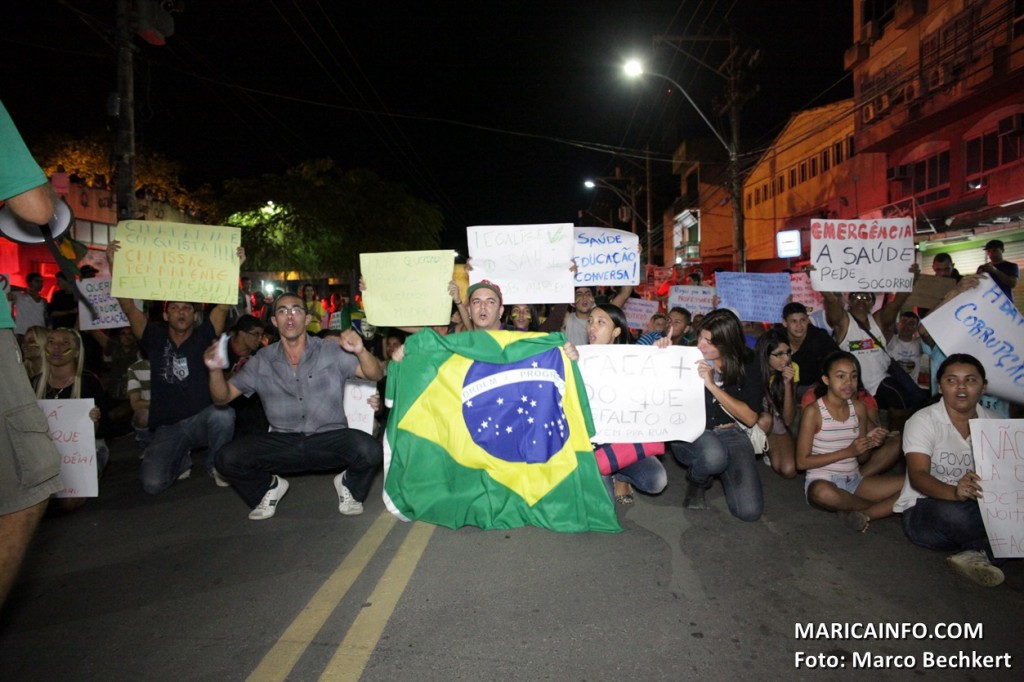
[863, 333]
[182, 417]
[300, 380]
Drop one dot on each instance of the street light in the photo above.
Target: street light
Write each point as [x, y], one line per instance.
[634, 69]
[628, 200]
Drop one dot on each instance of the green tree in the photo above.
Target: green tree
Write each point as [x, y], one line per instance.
[317, 219]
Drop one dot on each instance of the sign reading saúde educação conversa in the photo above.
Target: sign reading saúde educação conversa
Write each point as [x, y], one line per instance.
[862, 255]
[606, 256]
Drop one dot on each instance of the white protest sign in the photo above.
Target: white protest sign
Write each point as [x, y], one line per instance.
[699, 300]
[638, 312]
[643, 394]
[96, 290]
[862, 255]
[357, 410]
[531, 263]
[755, 296]
[75, 437]
[998, 446]
[984, 323]
[407, 288]
[605, 256]
[803, 292]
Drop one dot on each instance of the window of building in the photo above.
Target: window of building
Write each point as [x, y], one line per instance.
[764, 191]
[825, 161]
[837, 152]
[992, 149]
[792, 177]
[750, 200]
[1018, 18]
[803, 172]
[814, 167]
[780, 184]
[757, 196]
[927, 179]
[851, 149]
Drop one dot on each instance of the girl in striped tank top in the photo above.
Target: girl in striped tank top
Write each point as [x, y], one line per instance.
[834, 443]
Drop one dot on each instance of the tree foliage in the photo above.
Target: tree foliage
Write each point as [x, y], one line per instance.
[321, 218]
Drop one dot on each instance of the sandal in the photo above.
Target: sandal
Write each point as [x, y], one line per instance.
[625, 498]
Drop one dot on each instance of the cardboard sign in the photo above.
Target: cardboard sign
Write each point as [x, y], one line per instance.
[357, 410]
[75, 437]
[638, 312]
[862, 255]
[699, 300]
[531, 263]
[929, 291]
[643, 394]
[803, 292]
[998, 446]
[605, 256]
[984, 323]
[407, 288]
[755, 296]
[109, 315]
[176, 262]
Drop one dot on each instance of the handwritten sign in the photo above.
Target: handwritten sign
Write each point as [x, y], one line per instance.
[73, 433]
[638, 312]
[643, 394]
[605, 256]
[803, 292]
[755, 296]
[96, 290]
[699, 300]
[998, 446]
[984, 323]
[176, 262]
[357, 411]
[531, 263]
[407, 288]
[862, 255]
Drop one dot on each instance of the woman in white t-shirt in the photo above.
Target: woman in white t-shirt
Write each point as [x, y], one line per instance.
[939, 500]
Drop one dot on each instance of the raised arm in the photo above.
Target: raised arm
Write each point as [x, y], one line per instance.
[835, 315]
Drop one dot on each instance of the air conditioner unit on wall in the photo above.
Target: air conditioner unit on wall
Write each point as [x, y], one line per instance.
[868, 112]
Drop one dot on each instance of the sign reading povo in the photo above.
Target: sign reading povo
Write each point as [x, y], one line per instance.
[862, 255]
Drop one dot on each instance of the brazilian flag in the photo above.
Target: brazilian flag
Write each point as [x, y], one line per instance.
[492, 429]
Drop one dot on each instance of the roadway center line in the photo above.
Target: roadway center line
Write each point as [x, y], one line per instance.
[349, 660]
[279, 661]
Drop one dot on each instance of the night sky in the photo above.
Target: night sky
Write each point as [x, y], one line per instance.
[494, 111]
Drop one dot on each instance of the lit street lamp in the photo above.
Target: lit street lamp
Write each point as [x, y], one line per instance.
[633, 68]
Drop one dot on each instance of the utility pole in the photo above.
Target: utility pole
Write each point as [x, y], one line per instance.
[650, 224]
[730, 70]
[124, 153]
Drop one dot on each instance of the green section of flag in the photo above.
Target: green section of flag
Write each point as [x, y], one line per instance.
[435, 472]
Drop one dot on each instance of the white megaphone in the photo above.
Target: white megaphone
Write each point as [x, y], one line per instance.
[18, 230]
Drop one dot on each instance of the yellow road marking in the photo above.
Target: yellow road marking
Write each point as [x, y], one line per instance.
[350, 658]
[281, 658]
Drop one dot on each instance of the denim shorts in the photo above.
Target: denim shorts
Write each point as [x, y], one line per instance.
[847, 482]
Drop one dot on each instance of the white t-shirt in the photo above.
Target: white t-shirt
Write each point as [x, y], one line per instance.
[29, 312]
[907, 354]
[874, 363]
[931, 432]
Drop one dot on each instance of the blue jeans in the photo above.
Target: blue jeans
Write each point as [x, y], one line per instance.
[728, 454]
[251, 461]
[646, 475]
[946, 525]
[169, 454]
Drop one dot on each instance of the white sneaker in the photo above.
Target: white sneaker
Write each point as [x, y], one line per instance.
[218, 479]
[975, 566]
[347, 504]
[268, 505]
[184, 474]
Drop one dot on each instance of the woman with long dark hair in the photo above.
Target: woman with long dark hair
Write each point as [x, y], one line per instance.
[733, 395]
[779, 375]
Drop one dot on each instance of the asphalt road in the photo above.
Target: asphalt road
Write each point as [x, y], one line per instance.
[182, 586]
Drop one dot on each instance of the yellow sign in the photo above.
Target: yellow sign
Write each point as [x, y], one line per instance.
[407, 288]
[176, 262]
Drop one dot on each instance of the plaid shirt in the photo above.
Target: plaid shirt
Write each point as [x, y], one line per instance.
[308, 400]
